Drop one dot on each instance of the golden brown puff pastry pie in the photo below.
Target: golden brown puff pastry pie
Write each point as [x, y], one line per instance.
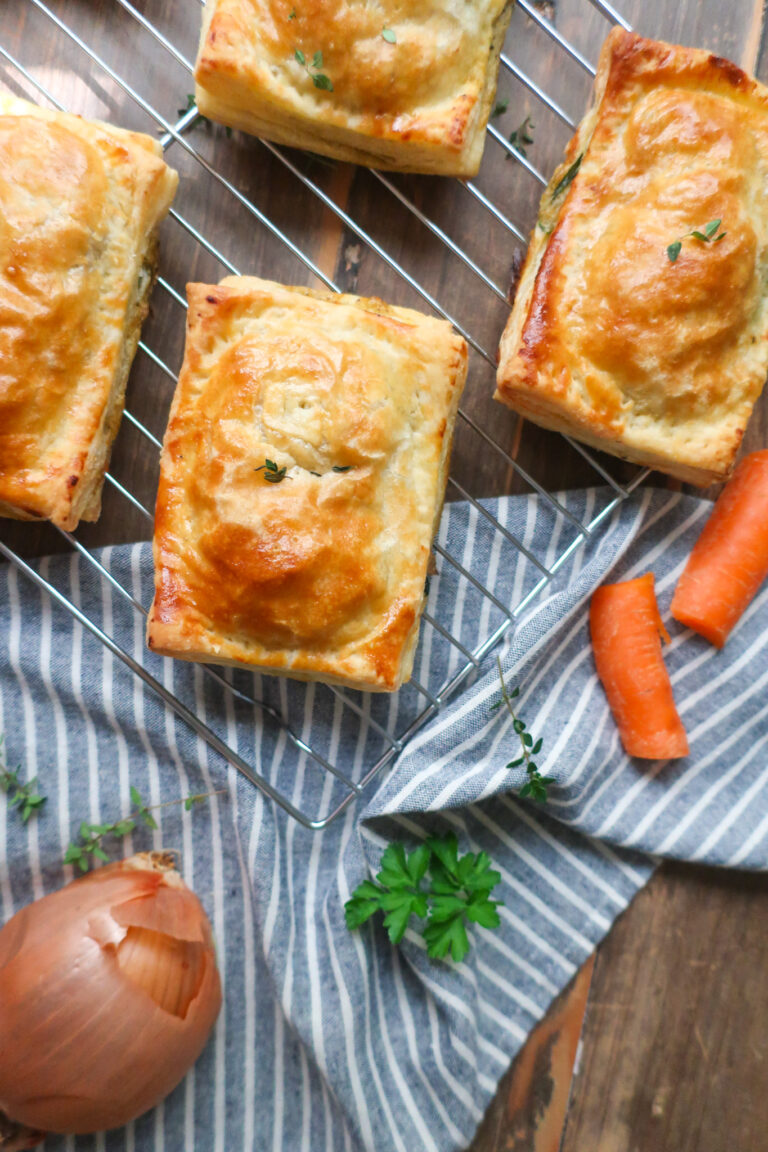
[79, 203]
[400, 84]
[614, 340]
[301, 482]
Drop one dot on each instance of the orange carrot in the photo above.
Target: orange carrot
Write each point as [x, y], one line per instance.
[730, 559]
[626, 628]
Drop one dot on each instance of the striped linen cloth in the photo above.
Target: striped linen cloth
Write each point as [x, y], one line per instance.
[331, 1040]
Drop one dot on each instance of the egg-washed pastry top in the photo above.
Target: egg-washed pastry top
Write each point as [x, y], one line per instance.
[400, 84]
[302, 477]
[79, 202]
[627, 331]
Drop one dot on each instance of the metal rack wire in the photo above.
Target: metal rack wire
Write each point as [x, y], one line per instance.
[424, 700]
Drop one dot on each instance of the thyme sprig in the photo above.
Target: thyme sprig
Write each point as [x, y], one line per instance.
[536, 784]
[522, 137]
[319, 79]
[88, 845]
[203, 120]
[25, 797]
[272, 474]
[707, 236]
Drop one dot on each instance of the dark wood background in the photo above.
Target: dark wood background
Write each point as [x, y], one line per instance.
[670, 1018]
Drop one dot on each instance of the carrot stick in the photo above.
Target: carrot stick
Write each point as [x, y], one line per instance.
[626, 628]
[730, 559]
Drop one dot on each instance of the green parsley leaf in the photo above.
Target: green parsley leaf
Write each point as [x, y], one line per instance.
[321, 81]
[674, 250]
[292, 14]
[444, 936]
[499, 108]
[299, 55]
[457, 888]
[388, 35]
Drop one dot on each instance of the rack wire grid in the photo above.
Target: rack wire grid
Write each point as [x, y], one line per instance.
[382, 233]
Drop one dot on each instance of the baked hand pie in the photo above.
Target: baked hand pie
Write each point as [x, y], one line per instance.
[79, 204]
[395, 85]
[640, 324]
[301, 482]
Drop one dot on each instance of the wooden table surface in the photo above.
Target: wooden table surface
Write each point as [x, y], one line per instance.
[670, 1017]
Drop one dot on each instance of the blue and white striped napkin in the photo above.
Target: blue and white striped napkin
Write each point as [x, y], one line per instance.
[332, 1040]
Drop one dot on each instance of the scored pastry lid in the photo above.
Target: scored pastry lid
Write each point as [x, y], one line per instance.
[302, 476]
[614, 338]
[373, 84]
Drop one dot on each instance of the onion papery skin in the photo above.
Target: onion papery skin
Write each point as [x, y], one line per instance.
[83, 1046]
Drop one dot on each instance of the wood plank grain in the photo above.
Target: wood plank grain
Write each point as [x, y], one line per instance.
[675, 1047]
[529, 1109]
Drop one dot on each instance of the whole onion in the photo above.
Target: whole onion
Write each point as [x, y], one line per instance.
[108, 991]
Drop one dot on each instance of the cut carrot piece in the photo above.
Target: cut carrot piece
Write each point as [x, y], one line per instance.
[730, 559]
[626, 633]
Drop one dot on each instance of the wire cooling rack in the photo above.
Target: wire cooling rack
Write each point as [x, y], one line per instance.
[89, 59]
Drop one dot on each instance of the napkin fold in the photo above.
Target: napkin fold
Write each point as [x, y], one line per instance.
[333, 1040]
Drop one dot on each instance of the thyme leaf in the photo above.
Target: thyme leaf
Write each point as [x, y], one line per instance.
[707, 236]
[522, 136]
[272, 474]
[568, 178]
[536, 785]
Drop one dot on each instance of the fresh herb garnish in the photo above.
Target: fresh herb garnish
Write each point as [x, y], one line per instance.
[499, 108]
[522, 136]
[88, 845]
[706, 237]
[200, 118]
[292, 14]
[22, 796]
[388, 35]
[272, 474]
[458, 889]
[319, 79]
[341, 467]
[567, 179]
[536, 784]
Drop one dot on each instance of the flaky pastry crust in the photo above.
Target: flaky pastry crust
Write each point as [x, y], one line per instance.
[79, 204]
[656, 361]
[320, 575]
[417, 101]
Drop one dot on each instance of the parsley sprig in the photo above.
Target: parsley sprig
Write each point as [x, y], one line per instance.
[707, 236]
[457, 890]
[272, 474]
[25, 797]
[319, 79]
[89, 843]
[536, 784]
[522, 136]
